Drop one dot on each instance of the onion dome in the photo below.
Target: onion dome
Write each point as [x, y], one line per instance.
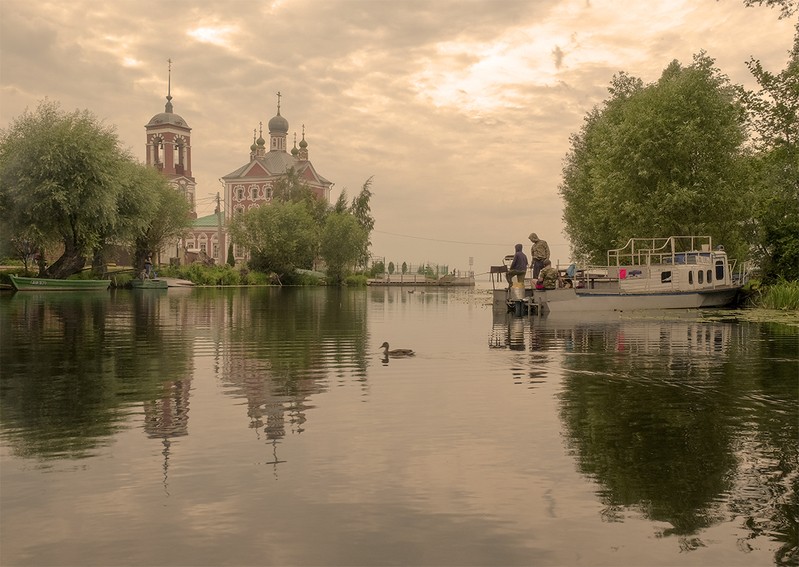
[279, 124]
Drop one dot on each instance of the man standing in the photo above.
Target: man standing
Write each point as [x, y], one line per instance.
[518, 267]
[539, 252]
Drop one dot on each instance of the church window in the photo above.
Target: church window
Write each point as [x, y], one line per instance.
[240, 193]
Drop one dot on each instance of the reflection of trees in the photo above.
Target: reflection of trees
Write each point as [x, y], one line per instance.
[677, 418]
[71, 363]
[767, 492]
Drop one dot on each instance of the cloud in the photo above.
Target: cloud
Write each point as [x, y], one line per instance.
[461, 111]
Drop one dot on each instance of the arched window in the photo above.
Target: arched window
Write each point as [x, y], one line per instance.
[158, 149]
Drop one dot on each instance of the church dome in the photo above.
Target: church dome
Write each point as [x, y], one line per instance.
[169, 118]
[279, 124]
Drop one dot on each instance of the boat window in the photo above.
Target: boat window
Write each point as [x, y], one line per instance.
[719, 270]
[665, 277]
[709, 276]
[691, 278]
[701, 275]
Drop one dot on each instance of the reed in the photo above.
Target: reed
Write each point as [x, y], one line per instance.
[783, 295]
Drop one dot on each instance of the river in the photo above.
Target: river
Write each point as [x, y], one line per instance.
[263, 426]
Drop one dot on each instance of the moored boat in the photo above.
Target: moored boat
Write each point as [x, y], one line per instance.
[677, 272]
[21, 283]
[149, 283]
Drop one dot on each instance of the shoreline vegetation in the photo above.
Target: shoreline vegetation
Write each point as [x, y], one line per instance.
[782, 295]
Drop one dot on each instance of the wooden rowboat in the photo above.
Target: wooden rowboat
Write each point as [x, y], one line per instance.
[43, 284]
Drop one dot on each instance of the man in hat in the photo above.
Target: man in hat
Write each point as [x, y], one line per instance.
[538, 253]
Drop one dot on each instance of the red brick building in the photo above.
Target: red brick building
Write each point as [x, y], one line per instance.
[250, 186]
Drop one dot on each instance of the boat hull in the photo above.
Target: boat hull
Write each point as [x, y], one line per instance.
[573, 301]
[149, 284]
[42, 284]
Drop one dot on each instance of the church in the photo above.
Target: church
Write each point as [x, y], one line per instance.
[249, 186]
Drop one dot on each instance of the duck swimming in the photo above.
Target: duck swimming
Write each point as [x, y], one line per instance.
[397, 352]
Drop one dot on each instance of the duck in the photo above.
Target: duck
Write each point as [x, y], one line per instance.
[397, 352]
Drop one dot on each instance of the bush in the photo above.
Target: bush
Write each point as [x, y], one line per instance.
[358, 280]
[782, 295]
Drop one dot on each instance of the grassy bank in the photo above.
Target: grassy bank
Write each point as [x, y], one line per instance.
[783, 295]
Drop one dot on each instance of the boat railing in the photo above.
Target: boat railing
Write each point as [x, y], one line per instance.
[647, 251]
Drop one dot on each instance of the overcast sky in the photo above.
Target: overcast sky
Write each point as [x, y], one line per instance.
[461, 111]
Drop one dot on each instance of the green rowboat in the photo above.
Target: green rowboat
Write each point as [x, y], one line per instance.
[139, 283]
[42, 284]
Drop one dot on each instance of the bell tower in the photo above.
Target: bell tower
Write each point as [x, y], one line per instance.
[169, 148]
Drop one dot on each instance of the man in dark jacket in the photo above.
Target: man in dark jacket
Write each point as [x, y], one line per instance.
[518, 266]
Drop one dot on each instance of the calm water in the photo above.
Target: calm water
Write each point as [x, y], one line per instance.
[263, 427]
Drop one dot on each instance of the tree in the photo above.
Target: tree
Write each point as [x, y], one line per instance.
[231, 259]
[391, 268]
[165, 221]
[787, 7]
[59, 174]
[774, 118]
[362, 212]
[281, 237]
[658, 160]
[342, 242]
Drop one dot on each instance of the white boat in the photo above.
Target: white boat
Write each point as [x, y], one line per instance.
[678, 272]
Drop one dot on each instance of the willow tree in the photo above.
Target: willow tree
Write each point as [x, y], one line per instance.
[658, 160]
[59, 175]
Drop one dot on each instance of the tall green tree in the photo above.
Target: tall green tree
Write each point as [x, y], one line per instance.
[164, 222]
[774, 118]
[280, 237]
[362, 212]
[658, 160]
[59, 174]
[342, 243]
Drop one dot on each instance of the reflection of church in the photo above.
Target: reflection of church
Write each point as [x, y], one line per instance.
[248, 187]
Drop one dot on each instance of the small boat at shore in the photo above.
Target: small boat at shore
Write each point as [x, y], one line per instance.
[21, 283]
[149, 283]
[678, 272]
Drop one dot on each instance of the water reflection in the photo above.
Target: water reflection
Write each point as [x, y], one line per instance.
[681, 419]
[73, 364]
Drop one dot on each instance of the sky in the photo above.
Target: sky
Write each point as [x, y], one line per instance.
[459, 111]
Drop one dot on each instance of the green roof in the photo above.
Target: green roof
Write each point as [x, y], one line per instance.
[211, 220]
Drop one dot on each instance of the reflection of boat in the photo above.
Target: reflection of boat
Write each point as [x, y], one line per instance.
[43, 284]
[678, 272]
[148, 283]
